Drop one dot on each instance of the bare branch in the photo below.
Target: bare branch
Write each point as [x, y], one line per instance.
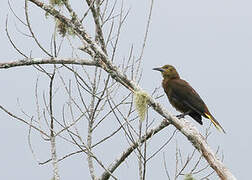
[97, 50]
[52, 135]
[22, 120]
[99, 32]
[165, 166]
[32, 33]
[130, 149]
[36, 61]
[145, 39]
[10, 40]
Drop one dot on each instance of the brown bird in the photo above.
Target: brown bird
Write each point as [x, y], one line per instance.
[184, 98]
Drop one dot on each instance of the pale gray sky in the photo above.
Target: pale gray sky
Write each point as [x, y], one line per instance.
[210, 44]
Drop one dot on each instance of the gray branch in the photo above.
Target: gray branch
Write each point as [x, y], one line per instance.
[130, 149]
[104, 62]
[35, 61]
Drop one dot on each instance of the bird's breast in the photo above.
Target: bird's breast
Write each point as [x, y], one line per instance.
[178, 105]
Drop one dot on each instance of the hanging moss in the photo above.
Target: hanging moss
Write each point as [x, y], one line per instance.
[63, 29]
[141, 103]
[56, 2]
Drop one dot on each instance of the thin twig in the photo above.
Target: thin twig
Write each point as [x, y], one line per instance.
[130, 149]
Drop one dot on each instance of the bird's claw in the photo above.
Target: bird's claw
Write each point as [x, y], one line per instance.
[180, 116]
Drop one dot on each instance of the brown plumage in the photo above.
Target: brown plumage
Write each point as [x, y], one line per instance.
[183, 97]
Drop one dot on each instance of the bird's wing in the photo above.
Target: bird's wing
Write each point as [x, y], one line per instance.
[184, 93]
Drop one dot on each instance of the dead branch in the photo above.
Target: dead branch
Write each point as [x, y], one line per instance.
[36, 61]
[100, 58]
[130, 149]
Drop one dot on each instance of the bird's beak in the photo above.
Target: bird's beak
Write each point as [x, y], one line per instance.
[159, 69]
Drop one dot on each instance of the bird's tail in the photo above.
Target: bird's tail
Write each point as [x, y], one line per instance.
[215, 122]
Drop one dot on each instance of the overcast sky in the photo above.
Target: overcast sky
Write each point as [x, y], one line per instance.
[210, 44]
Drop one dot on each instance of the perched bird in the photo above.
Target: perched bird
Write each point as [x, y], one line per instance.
[183, 97]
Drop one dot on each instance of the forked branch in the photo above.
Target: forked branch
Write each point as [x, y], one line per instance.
[102, 60]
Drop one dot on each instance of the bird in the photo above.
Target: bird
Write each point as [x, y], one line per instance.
[184, 98]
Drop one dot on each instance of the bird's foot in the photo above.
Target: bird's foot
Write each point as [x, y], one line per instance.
[182, 115]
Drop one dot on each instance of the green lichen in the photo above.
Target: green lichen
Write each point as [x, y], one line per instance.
[189, 177]
[141, 103]
[56, 2]
[63, 29]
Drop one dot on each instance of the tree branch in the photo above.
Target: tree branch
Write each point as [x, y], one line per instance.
[105, 63]
[34, 61]
[130, 149]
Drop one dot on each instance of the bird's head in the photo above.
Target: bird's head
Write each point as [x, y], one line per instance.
[168, 72]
